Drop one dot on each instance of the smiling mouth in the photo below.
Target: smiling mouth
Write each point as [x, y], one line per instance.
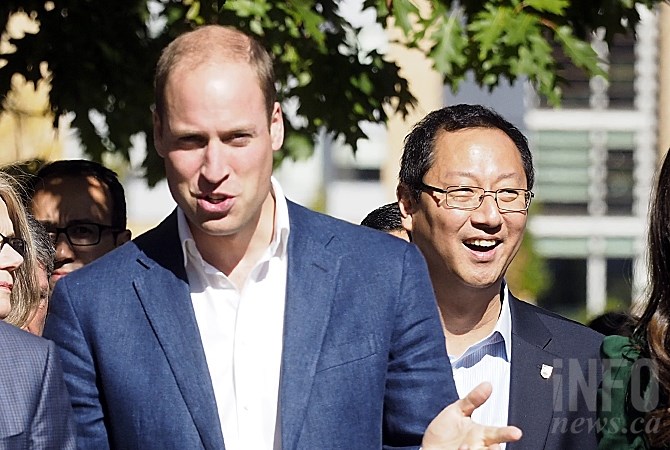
[482, 245]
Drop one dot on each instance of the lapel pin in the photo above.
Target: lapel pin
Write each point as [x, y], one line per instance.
[545, 371]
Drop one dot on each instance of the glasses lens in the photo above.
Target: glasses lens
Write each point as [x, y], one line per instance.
[464, 197]
[17, 244]
[512, 199]
[83, 233]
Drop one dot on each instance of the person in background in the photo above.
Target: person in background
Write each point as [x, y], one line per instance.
[613, 322]
[243, 317]
[386, 218]
[45, 254]
[35, 411]
[634, 398]
[82, 205]
[466, 182]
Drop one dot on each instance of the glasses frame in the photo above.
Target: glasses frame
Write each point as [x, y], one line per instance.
[12, 241]
[528, 194]
[57, 231]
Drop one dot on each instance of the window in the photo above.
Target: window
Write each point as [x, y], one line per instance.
[566, 298]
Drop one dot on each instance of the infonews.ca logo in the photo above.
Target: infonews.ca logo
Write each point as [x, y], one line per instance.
[577, 387]
[604, 425]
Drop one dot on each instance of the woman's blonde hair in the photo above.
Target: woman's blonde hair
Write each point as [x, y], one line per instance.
[25, 294]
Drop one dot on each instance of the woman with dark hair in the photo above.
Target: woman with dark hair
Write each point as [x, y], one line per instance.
[633, 399]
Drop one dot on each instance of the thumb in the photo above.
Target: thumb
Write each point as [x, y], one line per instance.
[475, 398]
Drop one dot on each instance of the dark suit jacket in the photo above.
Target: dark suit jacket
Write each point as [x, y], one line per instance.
[35, 410]
[558, 412]
[363, 363]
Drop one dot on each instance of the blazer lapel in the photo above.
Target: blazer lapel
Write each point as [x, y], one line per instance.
[532, 389]
[310, 288]
[164, 293]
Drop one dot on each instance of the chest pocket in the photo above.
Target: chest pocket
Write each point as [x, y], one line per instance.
[341, 353]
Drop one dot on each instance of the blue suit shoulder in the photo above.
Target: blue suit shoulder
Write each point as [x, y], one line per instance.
[346, 235]
[578, 337]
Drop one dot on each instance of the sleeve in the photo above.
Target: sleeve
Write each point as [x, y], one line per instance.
[619, 426]
[63, 327]
[419, 380]
[52, 426]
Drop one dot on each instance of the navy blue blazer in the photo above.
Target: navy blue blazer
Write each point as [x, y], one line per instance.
[364, 364]
[556, 410]
[35, 408]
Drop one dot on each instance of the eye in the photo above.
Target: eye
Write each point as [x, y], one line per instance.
[463, 192]
[239, 139]
[82, 230]
[191, 141]
[508, 195]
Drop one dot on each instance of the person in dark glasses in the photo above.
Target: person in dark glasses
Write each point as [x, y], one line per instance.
[83, 207]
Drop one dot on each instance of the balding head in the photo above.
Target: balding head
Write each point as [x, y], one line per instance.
[213, 44]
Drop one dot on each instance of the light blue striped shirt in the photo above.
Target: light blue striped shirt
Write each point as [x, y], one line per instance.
[488, 360]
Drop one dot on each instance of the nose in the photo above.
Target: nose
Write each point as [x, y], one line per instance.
[10, 259]
[64, 251]
[488, 213]
[215, 167]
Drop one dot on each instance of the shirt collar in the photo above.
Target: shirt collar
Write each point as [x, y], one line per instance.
[501, 332]
[278, 246]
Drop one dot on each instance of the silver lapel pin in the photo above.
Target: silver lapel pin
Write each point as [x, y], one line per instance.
[545, 371]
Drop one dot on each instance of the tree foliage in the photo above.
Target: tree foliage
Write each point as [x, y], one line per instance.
[101, 55]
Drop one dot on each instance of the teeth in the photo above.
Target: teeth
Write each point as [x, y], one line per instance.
[481, 242]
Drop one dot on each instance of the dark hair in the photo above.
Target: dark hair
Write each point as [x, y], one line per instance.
[418, 153]
[613, 322]
[76, 168]
[385, 218]
[45, 253]
[652, 332]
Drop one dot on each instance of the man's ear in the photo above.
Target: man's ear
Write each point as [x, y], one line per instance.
[407, 206]
[277, 127]
[158, 133]
[123, 237]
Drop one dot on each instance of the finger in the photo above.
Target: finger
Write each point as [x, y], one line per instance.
[475, 398]
[498, 435]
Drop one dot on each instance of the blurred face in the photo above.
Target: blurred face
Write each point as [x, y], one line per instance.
[67, 201]
[468, 248]
[36, 324]
[10, 260]
[217, 144]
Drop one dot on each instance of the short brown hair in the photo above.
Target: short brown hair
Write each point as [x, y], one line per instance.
[214, 43]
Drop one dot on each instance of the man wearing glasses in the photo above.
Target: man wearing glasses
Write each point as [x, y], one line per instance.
[465, 187]
[83, 207]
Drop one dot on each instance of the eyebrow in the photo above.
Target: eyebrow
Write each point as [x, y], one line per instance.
[504, 176]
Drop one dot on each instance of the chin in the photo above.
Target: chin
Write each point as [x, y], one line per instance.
[5, 307]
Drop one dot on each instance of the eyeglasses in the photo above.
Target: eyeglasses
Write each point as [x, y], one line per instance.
[18, 244]
[80, 234]
[470, 197]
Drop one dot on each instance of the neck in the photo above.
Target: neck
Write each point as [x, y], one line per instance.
[236, 254]
[468, 314]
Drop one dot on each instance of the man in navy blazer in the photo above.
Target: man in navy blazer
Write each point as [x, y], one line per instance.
[35, 408]
[243, 318]
[465, 187]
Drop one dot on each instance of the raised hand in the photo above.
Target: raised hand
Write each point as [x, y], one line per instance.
[453, 429]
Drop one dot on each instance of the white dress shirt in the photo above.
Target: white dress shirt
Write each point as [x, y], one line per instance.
[488, 360]
[242, 335]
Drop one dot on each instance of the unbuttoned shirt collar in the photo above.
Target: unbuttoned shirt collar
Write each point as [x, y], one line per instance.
[500, 337]
[241, 329]
[278, 246]
[489, 360]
